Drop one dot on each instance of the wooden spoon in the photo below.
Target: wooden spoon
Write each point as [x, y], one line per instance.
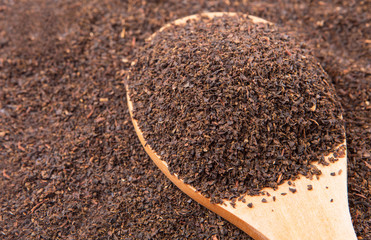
[319, 213]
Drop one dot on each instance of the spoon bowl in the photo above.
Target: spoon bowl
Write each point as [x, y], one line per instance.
[306, 208]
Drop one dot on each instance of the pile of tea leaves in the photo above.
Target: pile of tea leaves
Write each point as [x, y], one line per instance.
[233, 106]
[71, 164]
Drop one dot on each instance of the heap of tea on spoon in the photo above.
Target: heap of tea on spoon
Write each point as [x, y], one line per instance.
[244, 120]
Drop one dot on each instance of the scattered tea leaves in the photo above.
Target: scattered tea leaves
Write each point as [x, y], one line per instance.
[92, 192]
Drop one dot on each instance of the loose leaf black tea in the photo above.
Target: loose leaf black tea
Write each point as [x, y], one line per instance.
[82, 172]
[234, 106]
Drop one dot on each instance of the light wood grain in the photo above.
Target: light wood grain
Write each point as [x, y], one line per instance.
[321, 213]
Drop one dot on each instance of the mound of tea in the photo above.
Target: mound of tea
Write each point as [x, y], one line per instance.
[233, 106]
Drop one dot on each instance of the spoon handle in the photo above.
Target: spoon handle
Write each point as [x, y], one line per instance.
[320, 213]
